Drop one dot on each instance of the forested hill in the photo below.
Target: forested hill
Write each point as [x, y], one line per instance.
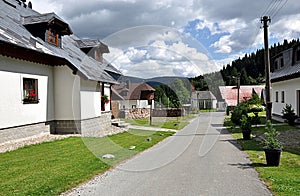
[251, 67]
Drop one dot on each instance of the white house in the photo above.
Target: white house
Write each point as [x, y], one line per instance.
[285, 79]
[203, 100]
[48, 81]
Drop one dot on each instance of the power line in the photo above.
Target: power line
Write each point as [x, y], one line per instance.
[267, 9]
[275, 7]
[280, 9]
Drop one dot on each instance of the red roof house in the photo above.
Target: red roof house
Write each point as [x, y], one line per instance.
[230, 93]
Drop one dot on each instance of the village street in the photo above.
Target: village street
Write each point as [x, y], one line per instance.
[201, 159]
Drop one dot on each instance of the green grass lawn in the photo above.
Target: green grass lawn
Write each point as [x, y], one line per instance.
[54, 167]
[175, 123]
[282, 180]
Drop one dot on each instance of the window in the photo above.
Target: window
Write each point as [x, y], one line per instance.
[298, 54]
[282, 96]
[30, 90]
[276, 65]
[53, 38]
[276, 96]
[281, 62]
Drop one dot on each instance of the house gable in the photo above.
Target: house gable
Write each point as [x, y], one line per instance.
[286, 65]
[48, 27]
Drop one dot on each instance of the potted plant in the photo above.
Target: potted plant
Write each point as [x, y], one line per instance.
[246, 127]
[105, 99]
[272, 145]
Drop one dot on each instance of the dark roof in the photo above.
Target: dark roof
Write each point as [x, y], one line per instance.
[291, 68]
[92, 43]
[285, 73]
[47, 18]
[203, 95]
[110, 68]
[15, 37]
[135, 91]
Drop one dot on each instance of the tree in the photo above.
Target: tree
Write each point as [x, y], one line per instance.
[181, 91]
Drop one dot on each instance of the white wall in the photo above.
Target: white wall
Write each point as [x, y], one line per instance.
[137, 103]
[12, 110]
[66, 94]
[290, 88]
[90, 96]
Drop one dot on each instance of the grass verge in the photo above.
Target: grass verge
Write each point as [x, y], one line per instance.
[54, 167]
[175, 123]
[282, 180]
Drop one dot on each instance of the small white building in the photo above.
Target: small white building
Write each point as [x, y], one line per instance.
[285, 79]
[47, 79]
[203, 100]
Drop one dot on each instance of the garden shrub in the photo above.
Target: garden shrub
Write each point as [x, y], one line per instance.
[238, 112]
[289, 114]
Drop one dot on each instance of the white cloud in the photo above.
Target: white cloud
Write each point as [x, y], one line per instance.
[163, 57]
[236, 22]
[287, 27]
[223, 45]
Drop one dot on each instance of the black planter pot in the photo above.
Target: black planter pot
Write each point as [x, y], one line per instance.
[246, 134]
[273, 156]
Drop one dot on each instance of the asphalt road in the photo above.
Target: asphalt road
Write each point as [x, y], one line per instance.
[201, 159]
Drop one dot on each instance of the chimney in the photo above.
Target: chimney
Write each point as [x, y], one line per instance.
[30, 4]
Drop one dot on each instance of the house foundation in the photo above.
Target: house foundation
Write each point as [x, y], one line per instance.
[94, 127]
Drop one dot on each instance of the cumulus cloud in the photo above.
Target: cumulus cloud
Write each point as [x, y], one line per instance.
[233, 24]
[166, 54]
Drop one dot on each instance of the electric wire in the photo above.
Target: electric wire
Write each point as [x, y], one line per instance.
[279, 9]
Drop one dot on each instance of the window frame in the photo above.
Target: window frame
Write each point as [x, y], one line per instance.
[281, 62]
[297, 54]
[30, 90]
[276, 96]
[276, 65]
[53, 38]
[282, 97]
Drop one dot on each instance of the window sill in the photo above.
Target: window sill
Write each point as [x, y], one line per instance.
[30, 102]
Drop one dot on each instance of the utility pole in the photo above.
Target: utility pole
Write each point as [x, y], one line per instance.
[238, 88]
[265, 20]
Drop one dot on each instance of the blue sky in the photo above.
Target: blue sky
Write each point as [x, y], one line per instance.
[205, 37]
[174, 37]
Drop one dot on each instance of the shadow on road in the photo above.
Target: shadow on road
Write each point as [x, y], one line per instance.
[247, 165]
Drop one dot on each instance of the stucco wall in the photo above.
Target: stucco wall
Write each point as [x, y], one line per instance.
[90, 96]
[290, 88]
[128, 104]
[67, 94]
[12, 110]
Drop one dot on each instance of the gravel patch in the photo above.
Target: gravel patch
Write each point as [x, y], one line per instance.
[290, 139]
